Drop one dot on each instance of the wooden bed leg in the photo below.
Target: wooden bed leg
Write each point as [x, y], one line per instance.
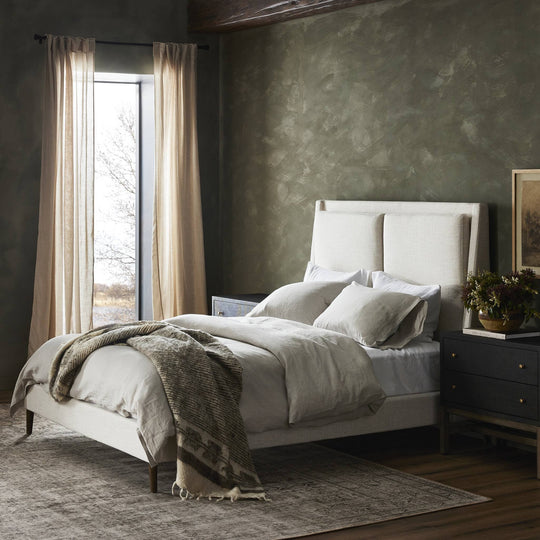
[153, 478]
[29, 421]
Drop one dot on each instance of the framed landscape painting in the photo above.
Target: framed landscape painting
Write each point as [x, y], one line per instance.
[526, 219]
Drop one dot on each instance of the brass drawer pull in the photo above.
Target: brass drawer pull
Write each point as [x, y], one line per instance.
[522, 366]
[453, 355]
[523, 401]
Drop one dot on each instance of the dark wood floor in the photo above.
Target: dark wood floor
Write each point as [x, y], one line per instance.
[507, 475]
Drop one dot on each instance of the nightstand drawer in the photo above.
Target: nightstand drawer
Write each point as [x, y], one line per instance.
[491, 395]
[500, 362]
[224, 308]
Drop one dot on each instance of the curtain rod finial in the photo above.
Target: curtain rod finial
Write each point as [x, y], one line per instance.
[40, 38]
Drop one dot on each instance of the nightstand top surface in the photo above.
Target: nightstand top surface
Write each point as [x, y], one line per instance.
[518, 342]
[252, 297]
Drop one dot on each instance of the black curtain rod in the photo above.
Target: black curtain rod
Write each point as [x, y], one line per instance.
[41, 38]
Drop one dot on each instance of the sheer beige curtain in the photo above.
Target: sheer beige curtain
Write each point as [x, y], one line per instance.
[178, 272]
[64, 264]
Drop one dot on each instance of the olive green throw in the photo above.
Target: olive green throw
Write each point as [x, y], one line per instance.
[203, 382]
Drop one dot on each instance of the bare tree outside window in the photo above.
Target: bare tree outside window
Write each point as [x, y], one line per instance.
[115, 221]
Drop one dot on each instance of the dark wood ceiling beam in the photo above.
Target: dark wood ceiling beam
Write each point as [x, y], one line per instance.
[226, 16]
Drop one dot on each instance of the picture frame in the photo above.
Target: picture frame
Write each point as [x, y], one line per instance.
[526, 219]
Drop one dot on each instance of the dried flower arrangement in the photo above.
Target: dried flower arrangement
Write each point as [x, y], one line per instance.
[509, 297]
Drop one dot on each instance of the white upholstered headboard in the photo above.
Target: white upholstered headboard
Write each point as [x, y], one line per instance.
[421, 242]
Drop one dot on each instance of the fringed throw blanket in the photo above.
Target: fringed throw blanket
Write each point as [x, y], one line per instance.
[202, 381]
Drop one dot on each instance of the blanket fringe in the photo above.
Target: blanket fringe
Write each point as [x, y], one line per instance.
[185, 495]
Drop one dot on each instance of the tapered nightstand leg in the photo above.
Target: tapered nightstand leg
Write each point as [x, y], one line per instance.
[29, 421]
[444, 419]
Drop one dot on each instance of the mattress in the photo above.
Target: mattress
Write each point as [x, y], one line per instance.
[130, 386]
[411, 370]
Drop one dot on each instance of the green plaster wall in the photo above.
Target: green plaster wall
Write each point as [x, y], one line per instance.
[434, 100]
[21, 70]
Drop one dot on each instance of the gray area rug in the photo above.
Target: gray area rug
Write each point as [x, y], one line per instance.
[57, 484]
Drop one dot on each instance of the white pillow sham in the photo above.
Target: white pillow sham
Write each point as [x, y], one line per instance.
[315, 272]
[302, 302]
[430, 293]
[375, 318]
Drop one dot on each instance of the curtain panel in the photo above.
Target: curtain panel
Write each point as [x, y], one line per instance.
[63, 282]
[178, 268]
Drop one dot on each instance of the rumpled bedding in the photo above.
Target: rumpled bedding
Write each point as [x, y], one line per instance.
[292, 374]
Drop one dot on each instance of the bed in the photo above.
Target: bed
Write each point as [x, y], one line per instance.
[420, 242]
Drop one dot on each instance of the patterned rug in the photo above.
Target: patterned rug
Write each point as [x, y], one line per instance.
[56, 484]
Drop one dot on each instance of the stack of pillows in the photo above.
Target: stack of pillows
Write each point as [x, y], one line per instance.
[386, 315]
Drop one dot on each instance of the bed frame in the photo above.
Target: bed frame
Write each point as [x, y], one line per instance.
[424, 242]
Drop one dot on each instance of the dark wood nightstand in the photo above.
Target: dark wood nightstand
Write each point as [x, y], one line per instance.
[235, 305]
[495, 384]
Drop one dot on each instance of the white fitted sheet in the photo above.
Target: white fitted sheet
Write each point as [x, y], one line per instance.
[411, 370]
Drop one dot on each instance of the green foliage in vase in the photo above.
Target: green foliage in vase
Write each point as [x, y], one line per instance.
[498, 296]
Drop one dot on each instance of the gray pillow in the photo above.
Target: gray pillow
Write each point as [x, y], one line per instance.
[375, 318]
[430, 293]
[302, 302]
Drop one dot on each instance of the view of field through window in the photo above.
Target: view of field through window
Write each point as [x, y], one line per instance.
[115, 221]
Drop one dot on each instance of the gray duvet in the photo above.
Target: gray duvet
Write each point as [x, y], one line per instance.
[292, 374]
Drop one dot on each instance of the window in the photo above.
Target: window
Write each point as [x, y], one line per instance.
[120, 105]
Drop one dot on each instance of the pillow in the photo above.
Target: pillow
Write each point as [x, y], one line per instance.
[302, 302]
[318, 273]
[430, 293]
[375, 318]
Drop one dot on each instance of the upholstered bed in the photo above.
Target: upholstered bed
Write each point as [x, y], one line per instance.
[420, 242]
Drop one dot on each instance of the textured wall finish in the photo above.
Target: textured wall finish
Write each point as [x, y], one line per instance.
[404, 99]
[20, 137]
